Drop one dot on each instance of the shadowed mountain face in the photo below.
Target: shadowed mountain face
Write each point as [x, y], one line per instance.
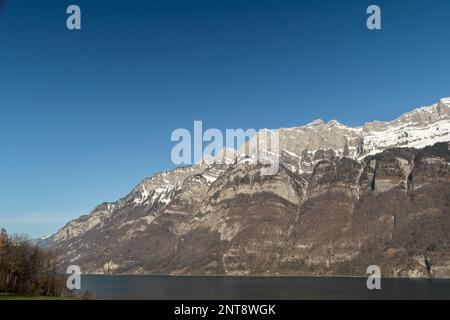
[327, 212]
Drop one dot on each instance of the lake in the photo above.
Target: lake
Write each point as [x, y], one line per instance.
[258, 288]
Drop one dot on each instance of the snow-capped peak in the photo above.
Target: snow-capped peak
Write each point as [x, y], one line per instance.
[317, 122]
[445, 101]
[416, 129]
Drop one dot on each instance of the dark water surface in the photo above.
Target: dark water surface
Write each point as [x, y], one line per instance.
[247, 288]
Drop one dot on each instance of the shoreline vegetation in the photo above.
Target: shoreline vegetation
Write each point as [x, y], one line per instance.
[28, 272]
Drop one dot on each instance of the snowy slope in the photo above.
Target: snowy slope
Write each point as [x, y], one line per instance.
[416, 129]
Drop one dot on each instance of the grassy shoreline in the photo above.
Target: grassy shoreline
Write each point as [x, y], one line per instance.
[13, 296]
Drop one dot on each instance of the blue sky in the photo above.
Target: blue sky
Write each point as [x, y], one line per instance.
[85, 115]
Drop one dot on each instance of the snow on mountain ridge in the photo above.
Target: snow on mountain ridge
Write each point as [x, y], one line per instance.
[445, 100]
[303, 147]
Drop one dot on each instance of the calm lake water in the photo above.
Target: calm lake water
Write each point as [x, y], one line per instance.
[247, 288]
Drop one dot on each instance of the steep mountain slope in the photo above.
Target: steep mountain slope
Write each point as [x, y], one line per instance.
[343, 199]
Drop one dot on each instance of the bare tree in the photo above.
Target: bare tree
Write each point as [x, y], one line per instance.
[3, 239]
[27, 269]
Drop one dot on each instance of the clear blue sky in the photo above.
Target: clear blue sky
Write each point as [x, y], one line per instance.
[86, 115]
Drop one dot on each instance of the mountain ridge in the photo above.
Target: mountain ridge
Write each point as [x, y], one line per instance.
[317, 160]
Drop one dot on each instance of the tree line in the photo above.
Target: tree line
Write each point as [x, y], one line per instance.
[27, 269]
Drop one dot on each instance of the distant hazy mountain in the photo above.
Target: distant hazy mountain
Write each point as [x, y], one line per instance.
[343, 199]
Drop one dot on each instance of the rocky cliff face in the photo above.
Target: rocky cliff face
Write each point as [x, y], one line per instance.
[343, 199]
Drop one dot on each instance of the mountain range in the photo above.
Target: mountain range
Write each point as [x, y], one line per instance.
[343, 199]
